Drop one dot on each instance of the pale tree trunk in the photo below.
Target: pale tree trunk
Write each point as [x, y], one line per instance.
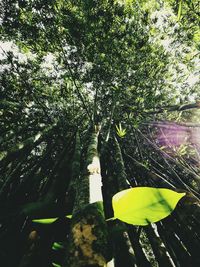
[88, 238]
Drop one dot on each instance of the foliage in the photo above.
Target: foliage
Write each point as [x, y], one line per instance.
[144, 205]
[76, 64]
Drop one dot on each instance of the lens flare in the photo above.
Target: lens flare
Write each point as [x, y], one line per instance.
[177, 139]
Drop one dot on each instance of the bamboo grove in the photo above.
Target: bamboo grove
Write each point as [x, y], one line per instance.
[93, 102]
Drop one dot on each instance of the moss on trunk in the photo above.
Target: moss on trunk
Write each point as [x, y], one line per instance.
[88, 246]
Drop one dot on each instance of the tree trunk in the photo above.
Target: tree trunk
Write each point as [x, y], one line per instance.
[88, 238]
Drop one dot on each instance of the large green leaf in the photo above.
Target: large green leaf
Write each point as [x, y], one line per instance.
[144, 205]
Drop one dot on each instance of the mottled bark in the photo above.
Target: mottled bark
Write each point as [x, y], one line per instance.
[88, 246]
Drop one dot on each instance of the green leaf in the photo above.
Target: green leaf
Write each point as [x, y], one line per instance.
[57, 246]
[45, 221]
[179, 10]
[144, 205]
[55, 264]
[49, 220]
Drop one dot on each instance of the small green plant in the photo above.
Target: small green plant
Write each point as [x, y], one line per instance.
[120, 132]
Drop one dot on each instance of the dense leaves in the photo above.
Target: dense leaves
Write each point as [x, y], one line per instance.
[131, 67]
